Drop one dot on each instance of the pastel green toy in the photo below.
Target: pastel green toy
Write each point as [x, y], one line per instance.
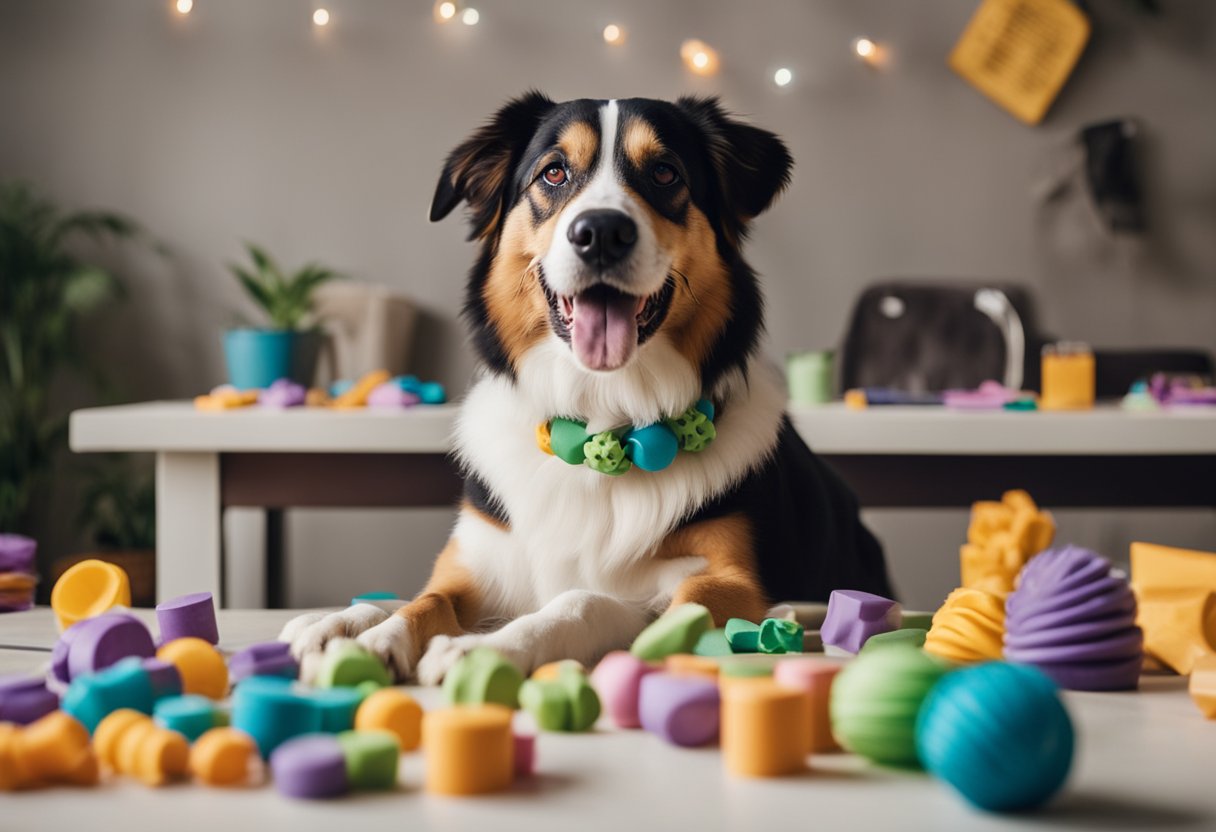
[652, 448]
[712, 643]
[604, 453]
[693, 429]
[566, 440]
[190, 715]
[371, 759]
[483, 677]
[895, 638]
[745, 669]
[347, 664]
[915, 620]
[567, 703]
[676, 631]
[778, 635]
[742, 635]
[875, 701]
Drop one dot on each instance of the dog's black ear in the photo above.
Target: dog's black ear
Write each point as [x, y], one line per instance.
[479, 169]
[753, 165]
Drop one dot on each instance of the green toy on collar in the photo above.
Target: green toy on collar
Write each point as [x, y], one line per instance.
[650, 447]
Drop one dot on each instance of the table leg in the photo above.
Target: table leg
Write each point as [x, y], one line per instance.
[276, 566]
[188, 548]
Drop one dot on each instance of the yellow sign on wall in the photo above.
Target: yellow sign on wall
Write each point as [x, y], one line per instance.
[1019, 53]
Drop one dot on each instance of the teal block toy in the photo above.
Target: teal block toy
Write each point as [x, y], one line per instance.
[567, 703]
[271, 711]
[337, 706]
[124, 684]
[909, 636]
[483, 677]
[777, 635]
[373, 596]
[652, 448]
[428, 392]
[371, 759]
[712, 643]
[706, 407]
[349, 665]
[566, 440]
[676, 631]
[190, 715]
[742, 635]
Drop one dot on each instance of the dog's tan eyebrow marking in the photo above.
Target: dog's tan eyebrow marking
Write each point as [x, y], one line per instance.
[579, 142]
[641, 142]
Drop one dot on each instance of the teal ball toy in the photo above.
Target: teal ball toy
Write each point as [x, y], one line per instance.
[999, 734]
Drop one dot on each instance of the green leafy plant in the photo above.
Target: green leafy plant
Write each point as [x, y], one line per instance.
[45, 292]
[118, 506]
[286, 298]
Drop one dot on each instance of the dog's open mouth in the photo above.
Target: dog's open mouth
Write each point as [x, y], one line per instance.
[603, 325]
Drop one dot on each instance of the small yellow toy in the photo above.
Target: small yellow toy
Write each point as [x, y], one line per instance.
[221, 757]
[129, 742]
[1069, 377]
[469, 749]
[394, 711]
[1002, 537]
[201, 666]
[226, 397]
[87, 589]
[357, 395]
[1203, 685]
[969, 627]
[765, 730]
[54, 749]
[1176, 601]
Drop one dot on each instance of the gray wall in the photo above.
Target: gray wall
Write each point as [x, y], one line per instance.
[241, 121]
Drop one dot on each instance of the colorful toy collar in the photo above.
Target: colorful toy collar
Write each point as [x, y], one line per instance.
[650, 447]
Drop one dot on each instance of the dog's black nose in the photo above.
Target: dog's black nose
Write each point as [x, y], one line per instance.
[602, 237]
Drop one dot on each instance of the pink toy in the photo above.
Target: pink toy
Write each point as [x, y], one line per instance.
[684, 710]
[189, 615]
[617, 679]
[990, 395]
[814, 677]
[390, 394]
[853, 616]
[281, 394]
[525, 755]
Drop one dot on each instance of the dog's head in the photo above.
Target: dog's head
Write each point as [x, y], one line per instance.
[612, 224]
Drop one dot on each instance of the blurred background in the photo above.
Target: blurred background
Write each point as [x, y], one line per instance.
[248, 121]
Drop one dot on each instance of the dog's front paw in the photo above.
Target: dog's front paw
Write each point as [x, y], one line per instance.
[442, 654]
[390, 642]
[309, 633]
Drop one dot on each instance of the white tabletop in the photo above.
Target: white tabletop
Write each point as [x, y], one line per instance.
[828, 429]
[1144, 762]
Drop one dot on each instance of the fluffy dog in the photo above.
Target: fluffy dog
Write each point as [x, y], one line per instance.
[610, 288]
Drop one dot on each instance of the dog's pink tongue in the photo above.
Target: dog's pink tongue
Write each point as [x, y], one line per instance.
[605, 330]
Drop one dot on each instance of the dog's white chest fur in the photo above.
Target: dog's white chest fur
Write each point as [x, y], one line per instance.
[574, 528]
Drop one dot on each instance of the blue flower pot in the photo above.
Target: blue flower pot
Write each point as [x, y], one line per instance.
[258, 357]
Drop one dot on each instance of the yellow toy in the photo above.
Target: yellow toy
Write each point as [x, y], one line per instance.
[469, 749]
[357, 395]
[129, 742]
[226, 398]
[551, 671]
[1001, 538]
[201, 666]
[1176, 599]
[969, 627]
[221, 756]
[686, 664]
[1068, 377]
[54, 749]
[87, 589]
[394, 711]
[1203, 685]
[765, 729]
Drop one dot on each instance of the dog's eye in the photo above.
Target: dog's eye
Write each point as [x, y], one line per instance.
[664, 175]
[555, 175]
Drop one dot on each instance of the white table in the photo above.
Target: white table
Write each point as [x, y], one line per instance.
[891, 456]
[1144, 762]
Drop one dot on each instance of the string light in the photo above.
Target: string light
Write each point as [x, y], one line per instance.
[699, 57]
[321, 17]
[870, 52]
[470, 17]
[445, 11]
[184, 6]
[614, 34]
[782, 77]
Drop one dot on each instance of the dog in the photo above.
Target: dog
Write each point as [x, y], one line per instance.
[610, 289]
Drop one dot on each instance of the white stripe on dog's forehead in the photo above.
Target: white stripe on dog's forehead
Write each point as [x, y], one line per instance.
[604, 190]
[609, 115]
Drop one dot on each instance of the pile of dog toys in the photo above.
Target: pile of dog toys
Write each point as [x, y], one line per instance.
[17, 579]
[376, 390]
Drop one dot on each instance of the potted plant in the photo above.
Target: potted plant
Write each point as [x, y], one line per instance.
[289, 347]
[46, 290]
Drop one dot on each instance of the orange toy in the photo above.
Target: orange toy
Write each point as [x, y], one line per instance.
[226, 398]
[1203, 685]
[129, 742]
[812, 676]
[1068, 377]
[1001, 538]
[201, 666]
[685, 664]
[87, 589]
[54, 749]
[764, 729]
[221, 756]
[357, 395]
[551, 671]
[395, 711]
[1176, 598]
[469, 749]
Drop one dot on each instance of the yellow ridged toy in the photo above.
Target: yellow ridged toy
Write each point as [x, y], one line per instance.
[969, 627]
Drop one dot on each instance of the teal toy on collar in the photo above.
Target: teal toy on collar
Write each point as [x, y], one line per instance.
[650, 447]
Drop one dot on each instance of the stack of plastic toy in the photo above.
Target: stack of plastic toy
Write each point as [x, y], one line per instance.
[17, 578]
[1002, 537]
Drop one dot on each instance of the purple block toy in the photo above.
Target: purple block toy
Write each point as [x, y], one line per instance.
[188, 616]
[17, 553]
[853, 616]
[271, 658]
[311, 766]
[24, 699]
[283, 393]
[390, 394]
[99, 642]
[166, 679]
[684, 710]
